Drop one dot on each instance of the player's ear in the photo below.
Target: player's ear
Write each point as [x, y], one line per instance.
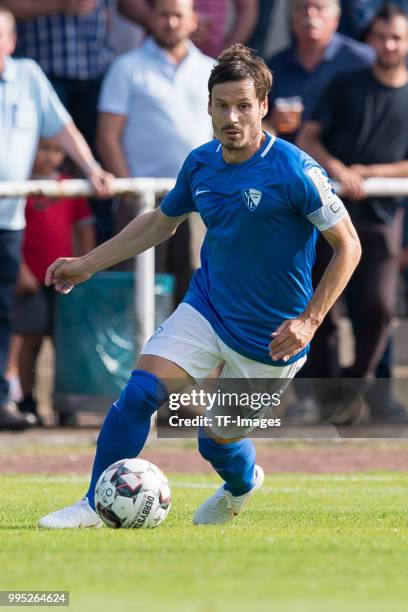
[209, 106]
[264, 108]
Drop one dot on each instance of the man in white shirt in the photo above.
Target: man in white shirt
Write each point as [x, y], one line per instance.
[153, 111]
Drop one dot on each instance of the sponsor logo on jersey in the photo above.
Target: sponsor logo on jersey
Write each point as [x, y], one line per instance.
[252, 198]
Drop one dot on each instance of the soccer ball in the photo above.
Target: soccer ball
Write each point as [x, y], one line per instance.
[132, 493]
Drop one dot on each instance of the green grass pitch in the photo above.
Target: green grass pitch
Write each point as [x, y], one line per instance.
[305, 543]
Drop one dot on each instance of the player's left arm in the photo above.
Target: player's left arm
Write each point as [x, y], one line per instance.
[293, 335]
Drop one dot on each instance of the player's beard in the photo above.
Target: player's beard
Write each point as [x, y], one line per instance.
[248, 135]
[228, 144]
[232, 146]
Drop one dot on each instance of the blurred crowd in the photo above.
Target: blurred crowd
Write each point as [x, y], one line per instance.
[98, 88]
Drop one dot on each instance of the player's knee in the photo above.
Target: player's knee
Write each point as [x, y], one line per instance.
[142, 396]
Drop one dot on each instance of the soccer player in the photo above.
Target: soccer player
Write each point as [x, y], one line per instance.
[250, 305]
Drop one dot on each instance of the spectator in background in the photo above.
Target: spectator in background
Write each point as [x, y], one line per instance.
[356, 15]
[359, 129]
[138, 11]
[153, 110]
[125, 35]
[69, 40]
[213, 32]
[301, 73]
[272, 32]
[29, 108]
[317, 54]
[50, 227]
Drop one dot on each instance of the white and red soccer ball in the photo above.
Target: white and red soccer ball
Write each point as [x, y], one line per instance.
[132, 493]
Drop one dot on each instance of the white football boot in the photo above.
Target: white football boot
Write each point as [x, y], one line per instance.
[80, 515]
[223, 507]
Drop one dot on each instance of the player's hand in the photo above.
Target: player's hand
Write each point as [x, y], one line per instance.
[78, 7]
[352, 183]
[290, 338]
[67, 272]
[101, 180]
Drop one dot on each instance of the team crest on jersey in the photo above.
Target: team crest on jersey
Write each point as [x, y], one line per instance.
[252, 197]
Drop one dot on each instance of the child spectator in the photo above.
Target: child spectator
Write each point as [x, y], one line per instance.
[49, 234]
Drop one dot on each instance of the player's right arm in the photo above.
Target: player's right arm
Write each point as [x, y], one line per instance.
[142, 233]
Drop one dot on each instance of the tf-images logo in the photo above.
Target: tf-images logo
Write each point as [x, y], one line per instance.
[252, 197]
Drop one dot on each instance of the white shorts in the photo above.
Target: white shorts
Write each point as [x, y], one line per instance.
[187, 339]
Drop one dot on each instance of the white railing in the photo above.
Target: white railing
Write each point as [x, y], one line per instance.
[82, 187]
[381, 187]
[147, 188]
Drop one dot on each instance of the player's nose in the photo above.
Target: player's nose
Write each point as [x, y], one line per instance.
[232, 115]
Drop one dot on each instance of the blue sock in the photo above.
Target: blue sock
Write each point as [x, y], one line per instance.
[234, 462]
[127, 424]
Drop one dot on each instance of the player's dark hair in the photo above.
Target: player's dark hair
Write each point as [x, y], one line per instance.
[386, 13]
[238, 63]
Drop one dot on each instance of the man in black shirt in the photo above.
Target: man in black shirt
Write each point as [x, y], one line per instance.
[359, 129]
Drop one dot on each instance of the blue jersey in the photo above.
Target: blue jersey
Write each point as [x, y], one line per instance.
[257, 256]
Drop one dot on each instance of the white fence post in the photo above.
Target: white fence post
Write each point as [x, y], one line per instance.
[145, 281]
